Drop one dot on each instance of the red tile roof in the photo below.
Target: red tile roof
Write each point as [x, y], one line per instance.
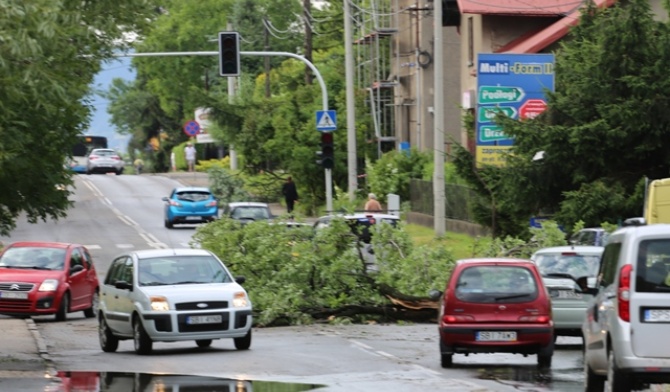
[550, 34]
[519, 7]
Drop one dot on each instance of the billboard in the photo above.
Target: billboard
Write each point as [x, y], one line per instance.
[514, 85]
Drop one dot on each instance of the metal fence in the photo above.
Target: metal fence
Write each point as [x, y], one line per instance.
[458, 198]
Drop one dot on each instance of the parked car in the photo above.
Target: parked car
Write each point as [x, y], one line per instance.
[45, 278]
[567, 271]
[595, 236]
[495, 305]
[628, 321]
[104, 160]
[189, 205]
[168, 295]
[248, 211]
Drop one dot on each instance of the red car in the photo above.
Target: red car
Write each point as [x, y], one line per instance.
[495, 306]
[39, 278]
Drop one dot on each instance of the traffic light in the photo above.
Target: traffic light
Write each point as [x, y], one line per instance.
[229, 53]
[327, 151]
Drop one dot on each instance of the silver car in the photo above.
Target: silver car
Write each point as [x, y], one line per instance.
[567, 271]
[104, 160]
[168, 295]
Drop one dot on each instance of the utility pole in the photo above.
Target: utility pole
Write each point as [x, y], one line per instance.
[351, 110]
[307, 7]
[267, 59]
[439, 196]
[231, 100]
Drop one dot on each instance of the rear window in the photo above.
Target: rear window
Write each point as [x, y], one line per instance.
[653, 266]
[193, 196]
[104, 153]
[575, 264]
[496, 284]
[250, 213]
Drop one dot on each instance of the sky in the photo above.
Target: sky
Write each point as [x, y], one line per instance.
[100, 120]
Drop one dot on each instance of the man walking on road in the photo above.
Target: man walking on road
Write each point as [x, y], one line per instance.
[290, 194]
[189, 154]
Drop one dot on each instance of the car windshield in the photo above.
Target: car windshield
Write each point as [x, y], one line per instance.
[571, 263]
[496, 284]
[250, 212]
[160, 271]
[193, 196]
[40, 258]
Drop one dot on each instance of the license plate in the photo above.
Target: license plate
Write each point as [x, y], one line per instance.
[657, 315]
[496, 336]
[13, 295]
[193, 218]
[204, 319]
[569, 294]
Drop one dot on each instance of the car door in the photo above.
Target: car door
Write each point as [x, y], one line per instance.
[114, 300]
[78, 280]
[603, 307]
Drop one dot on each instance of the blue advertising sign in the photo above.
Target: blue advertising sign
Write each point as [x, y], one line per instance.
[514, 85]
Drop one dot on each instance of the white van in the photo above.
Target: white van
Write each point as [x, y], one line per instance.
[627, 325]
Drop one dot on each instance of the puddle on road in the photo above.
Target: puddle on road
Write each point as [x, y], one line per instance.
[143, 382]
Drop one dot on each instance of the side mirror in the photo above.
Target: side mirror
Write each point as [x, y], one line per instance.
[123, 285]
[76, 269]
[165, 198]
[240, 279]
[434, 294]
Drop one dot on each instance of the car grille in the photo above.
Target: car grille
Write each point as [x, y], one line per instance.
[222, 326]
[12, 286]
[11, 305]
[194, 305]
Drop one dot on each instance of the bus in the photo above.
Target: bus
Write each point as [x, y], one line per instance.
[83, 147]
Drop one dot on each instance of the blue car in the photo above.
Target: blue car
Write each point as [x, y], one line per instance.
[189, 205]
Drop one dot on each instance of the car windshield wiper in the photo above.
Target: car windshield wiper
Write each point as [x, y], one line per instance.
[29, 267]
[512, 296]
[153, 284]
[189, 282]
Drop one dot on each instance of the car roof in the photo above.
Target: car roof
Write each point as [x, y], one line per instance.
[494, 260]
[42, 244]
[582, 249]
[247, 204]
[150, 253]
[192, 189]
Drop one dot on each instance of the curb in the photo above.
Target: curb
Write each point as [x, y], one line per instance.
[41, 347]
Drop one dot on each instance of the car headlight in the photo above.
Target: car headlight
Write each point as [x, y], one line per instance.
[240, 300]
[49, 285]
[159, 303]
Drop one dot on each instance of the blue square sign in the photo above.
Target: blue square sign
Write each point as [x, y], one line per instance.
[326, 120]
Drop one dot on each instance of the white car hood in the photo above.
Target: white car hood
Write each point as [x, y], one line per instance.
[195, 292]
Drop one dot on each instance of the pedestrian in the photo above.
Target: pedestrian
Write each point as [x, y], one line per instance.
[189, 153]
[372, 204]
[139, 165]
[290, 194]
[173, 161]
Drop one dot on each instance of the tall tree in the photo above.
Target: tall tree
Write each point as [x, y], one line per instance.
[50, 52]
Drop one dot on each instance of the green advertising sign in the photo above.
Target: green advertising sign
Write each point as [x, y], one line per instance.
[491, 133]
[487, 114]
[500, 94]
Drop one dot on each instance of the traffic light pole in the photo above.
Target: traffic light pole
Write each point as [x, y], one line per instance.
[322, 84]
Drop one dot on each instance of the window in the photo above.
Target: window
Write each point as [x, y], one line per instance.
[121, 270]
[76, 258]
[608, 264]
[653, 266]
[496, 284]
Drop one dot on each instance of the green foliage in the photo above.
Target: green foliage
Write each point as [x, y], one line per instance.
[548, 236]
[392, 172]
[226, 185]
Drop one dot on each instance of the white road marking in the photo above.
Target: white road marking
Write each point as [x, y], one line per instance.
[125, 246]
[92, 247]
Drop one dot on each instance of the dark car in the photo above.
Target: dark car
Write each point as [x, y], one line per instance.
[594, 236]
[44, 278]
[495, 305]
[189, 205]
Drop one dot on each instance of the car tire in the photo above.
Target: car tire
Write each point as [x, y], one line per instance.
[592, 381]
[119, 172]
[244, 342]
[168, 224]
[93, 310]
[447, 360]
[141, 340]
[204, 343]
[544, 356]
[64, 308]
[617, 381]
[108, 342]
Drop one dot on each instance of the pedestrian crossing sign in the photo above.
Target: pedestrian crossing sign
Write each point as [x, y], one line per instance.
[326, 120]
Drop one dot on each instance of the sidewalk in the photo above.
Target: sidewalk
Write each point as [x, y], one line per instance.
[24, 360]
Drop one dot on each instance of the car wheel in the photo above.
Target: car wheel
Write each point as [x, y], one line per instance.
[204, 343]
[61, 314]
[447, 360]
[168, 224]
[142, 341]
[108, 342]
[593, 382]
[617, 381]
[243, 343]
[119, 172]
[544, 355]
[93, 310]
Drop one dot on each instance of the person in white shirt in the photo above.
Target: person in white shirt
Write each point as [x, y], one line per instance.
[189, 153]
